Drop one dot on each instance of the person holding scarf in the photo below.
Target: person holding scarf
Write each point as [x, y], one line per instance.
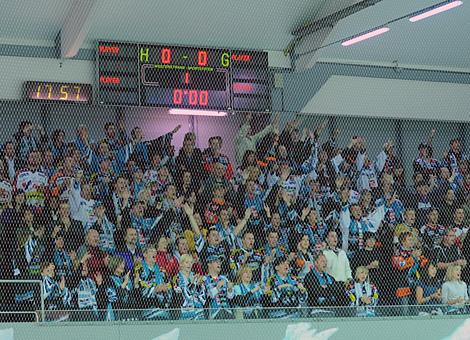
[190, 290]
[155, 289]
[119, 290]
[285, 292]
[323, 290]
[363, 294]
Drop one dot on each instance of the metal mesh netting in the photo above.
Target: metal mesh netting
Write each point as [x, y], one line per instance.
[119, 211]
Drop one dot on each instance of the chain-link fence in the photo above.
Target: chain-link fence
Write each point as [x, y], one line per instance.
[188, 183]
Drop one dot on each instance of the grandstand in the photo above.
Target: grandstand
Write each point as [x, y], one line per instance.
[236, 170]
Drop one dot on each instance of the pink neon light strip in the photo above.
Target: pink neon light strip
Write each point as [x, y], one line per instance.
[189, 112]
[436, 10]
[366, 36]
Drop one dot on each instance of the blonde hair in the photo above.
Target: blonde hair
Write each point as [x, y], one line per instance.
[186, 258]
[243, 270]
[450, 274]
[361, 269]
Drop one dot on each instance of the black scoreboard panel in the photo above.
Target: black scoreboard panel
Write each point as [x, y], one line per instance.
[183, 77]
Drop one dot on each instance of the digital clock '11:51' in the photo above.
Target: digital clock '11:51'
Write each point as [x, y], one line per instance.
[63, 92]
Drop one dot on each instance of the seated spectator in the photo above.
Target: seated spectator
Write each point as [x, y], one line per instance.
[428, 290]
[336, 259]
[363, 294]
[369, 257]
[154, 286]
[219, 290]
[322, 289]
[190, 290]
[454, 291]
[447, 254]
[248, 295]
[286, 294]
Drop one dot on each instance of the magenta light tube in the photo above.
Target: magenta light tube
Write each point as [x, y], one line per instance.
[436, 10]
[365, 36]
[188, 112]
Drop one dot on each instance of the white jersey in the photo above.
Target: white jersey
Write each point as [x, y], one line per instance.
[80, 208]
[34, 185]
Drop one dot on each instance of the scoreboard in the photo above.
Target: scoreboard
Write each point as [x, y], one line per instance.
[136, 74]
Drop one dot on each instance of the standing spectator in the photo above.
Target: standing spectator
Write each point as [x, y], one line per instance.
[11, 161]
[432, 232]
[246, 140]
[190, 159]
[58, 146]
[336, 259]
[119, 290]
[407, 261]
[247, 294]
[213, 155]
[56, 295]
[95, 259]
[26, 141]
[219, 290]
[154, 285]
[285, 293]
[247, 256]
[130, 251]
[190, 286]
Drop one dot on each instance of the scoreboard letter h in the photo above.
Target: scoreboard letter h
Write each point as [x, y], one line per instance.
[144, 53]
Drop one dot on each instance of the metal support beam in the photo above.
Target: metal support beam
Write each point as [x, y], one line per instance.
[76, 27]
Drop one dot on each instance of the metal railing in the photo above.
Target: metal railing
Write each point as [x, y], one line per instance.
[42, 311]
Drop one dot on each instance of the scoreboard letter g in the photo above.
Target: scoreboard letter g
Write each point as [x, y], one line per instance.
[225, 59]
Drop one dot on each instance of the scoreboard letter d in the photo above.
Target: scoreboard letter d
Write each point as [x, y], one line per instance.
[144, 53]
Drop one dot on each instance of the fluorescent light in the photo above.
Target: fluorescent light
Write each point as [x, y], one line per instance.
[365, 36]
[436, 10]
[188, 112]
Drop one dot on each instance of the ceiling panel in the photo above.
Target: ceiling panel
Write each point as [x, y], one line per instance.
[440, 41]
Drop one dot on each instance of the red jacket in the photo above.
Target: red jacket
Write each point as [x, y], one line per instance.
[167, 263]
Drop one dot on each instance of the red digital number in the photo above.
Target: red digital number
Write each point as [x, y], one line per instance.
[166, 56]
[203, 98]
[193, 97]
[177, 96]
[202, 58]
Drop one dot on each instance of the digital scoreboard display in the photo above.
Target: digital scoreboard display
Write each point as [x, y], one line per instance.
[63, 92]
[183, 77]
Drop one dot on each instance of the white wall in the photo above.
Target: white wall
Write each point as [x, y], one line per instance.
[14, 71]
[391, 98]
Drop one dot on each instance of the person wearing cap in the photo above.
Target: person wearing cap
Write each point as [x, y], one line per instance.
[286, 294]
[219, 290]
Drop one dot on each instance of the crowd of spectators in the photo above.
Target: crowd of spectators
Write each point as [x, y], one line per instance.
[295, 221]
